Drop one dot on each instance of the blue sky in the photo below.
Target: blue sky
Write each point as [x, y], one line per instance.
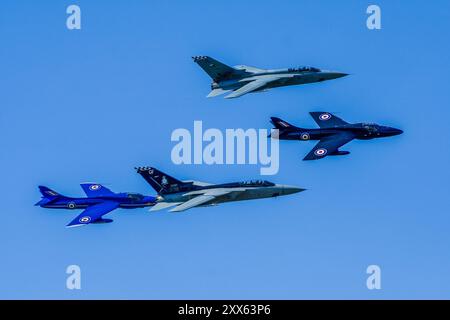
[90, 104]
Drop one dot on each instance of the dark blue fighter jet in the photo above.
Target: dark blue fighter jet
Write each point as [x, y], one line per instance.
[100, 201]
[333, 133]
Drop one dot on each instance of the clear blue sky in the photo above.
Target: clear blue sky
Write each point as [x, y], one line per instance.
[90, 105]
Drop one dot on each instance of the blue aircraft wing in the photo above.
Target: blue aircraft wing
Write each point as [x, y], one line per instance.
[94, 190]
[327, 146]
[93, 213]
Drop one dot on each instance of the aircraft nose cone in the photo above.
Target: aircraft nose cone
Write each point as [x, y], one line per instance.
[394, 131]
[148, 199]
[292, 190]
[333, 74]
[337, 75]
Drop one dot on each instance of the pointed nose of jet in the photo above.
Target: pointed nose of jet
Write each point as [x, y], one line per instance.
[337, 75]
[291, 189]
[397, 132]
[334, 74]
[389, 132]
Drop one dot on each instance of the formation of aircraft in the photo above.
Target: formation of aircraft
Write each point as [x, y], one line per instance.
[240, 80]
[332, 134]
[179, 195]
[184, 195]
[99, 201]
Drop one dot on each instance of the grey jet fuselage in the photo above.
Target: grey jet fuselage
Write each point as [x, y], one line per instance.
[289, 77]
[242, 79]
[253, 190]
[188, 194]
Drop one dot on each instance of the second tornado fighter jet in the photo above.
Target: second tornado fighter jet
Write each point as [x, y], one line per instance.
[183, 195]
[240, 80]
[333, 133]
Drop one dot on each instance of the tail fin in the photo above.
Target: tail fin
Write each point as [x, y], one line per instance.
[281, 124]
[48, 195]
[161, 182]
[217, 70]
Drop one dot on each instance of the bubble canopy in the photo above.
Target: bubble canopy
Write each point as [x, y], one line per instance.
[304, 69]
[257, 183]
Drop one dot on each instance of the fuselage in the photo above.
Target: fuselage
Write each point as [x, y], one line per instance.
[288, 76]
[125, 200]
[244, 191]
[362, 131]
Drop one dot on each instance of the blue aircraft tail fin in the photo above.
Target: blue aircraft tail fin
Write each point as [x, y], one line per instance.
[48, 195]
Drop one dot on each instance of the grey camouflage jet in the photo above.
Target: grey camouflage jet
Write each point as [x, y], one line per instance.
[184, 195]
[240, 80]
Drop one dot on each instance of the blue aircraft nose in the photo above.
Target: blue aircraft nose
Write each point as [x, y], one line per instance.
[148, 199]
[388, 131]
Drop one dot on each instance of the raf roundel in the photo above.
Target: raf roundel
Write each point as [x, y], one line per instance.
[325, 116]
[94, 187]
[71, 205]
[85, 219]
[305, 136]
[320, 152]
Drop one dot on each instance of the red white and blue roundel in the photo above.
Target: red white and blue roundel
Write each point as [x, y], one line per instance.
[320, 152]
[305, 136]
[85, 219]
[325, 116]
[71, 205]
[94, 187]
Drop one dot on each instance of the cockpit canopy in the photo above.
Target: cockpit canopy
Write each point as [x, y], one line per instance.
[371, 127]
[135, 196]
[257, 183]
[304, 69]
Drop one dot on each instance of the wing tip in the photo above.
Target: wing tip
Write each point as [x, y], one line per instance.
[76, 225]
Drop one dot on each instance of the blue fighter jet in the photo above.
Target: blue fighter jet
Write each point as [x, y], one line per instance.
[332, 134]
[99, 201]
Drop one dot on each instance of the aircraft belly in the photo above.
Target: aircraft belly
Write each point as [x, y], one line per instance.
[300, 79]
[131, 205]
[247, 195]
[177, 197]
[232, 85]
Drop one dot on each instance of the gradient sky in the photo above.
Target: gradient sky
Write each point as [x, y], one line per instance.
[90, 104]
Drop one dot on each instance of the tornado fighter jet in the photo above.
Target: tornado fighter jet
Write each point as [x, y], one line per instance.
[184, 195]
[240, 80]
[333, 133]
[100, 201]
